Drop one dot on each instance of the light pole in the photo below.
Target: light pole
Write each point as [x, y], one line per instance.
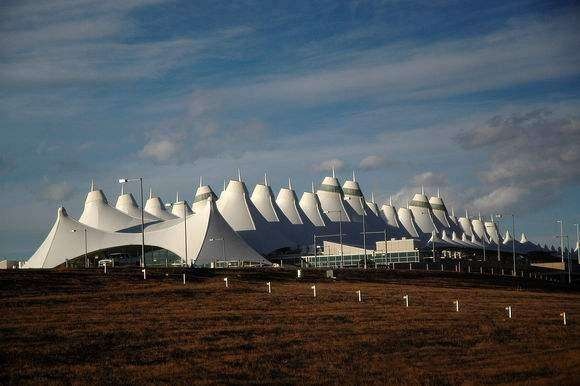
[86, 251]
[561, 238]
[577, 243]
[514, 241]
[339, 233]
[140, 179]
[213, 239]
[184, 229]
[498, 216]
[364, 233]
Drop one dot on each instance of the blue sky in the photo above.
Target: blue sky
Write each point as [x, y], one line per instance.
[480, 100]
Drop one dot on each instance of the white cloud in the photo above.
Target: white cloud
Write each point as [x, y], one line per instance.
[327, 165]
[55, 192]
[161, 150]
[372, 162]
[430, 179]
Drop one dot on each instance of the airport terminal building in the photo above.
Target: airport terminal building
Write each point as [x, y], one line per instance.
[330, 226]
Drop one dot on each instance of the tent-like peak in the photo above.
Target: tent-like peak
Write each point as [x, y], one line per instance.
[155, 207]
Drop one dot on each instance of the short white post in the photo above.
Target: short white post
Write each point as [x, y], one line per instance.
[226, 280]
[456, 302]
[105, 269]
[492, 271]
[410, 267]
[459, 270]
[563, 315]
[299, 273]
[481, 270]
[509, 311]
[314, 290]
[502, 272]
[441, 267]
[269, 287]
[406, 297]
[359, 296]
[469, 268]
[144, 274]
[427, 266]
[183, 278]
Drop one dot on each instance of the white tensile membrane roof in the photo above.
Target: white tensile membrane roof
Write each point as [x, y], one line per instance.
[126, 203]
[479, 230]
[263, 199]
[357, 205]
[408, 222]
[98, 214]
[492, 231]
[180, 208]
[65, 241]
[287, 201]
[202, 193]
[155, 206]
[391, 218]
[238, 210]
[310, 205]
[465, 224]
[440, 214]
[421, 210]
[331, 200]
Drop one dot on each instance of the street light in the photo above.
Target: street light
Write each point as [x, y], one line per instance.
[561, 222]
[364, 233]
[213, 239]
[339, 233]
[577, 243]
[498, 216]
[140, 179]
[184, 229]
[86, 252]
[513, 240]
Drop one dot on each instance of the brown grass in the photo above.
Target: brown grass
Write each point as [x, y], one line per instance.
[84, 327]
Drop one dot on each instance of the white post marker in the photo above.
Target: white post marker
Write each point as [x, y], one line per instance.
[183, 278]
[314, 290]
[492, 271]
[144, 274]
[299, 273]
[441, 267]
[406, 297]
[563, 315]
[410, 267]
[269, 287]
[481, 270]
[359, 296]
[456, 302]
[427, 266]
[509, 311]
[226, 280]
[105, 269]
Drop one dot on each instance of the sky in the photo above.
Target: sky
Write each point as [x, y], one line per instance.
[480, 100]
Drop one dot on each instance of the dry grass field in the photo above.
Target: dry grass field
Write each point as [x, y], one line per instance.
[84, 327]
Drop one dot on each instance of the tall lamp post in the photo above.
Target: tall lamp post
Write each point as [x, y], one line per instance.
[184, 229]
[140, 179]
[561, 222]
[498, 216]
[339, 234]
[86, 251]
[364, 233]
[214, 239]
[514, 241]
[577, 243]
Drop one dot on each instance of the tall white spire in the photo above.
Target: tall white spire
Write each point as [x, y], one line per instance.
[200, 181]
[239, 175]
[333, 174]
[466, 214]
[177, 197]
[353, 177]
[150, 192]
[373, 197]
[438, 193]
[122, 188]
[289, 183]
[266, 178]
[92, 185]
[313, 187]
[422, 190]
[390, 200]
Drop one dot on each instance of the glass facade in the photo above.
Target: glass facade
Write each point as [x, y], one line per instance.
[357, 261]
